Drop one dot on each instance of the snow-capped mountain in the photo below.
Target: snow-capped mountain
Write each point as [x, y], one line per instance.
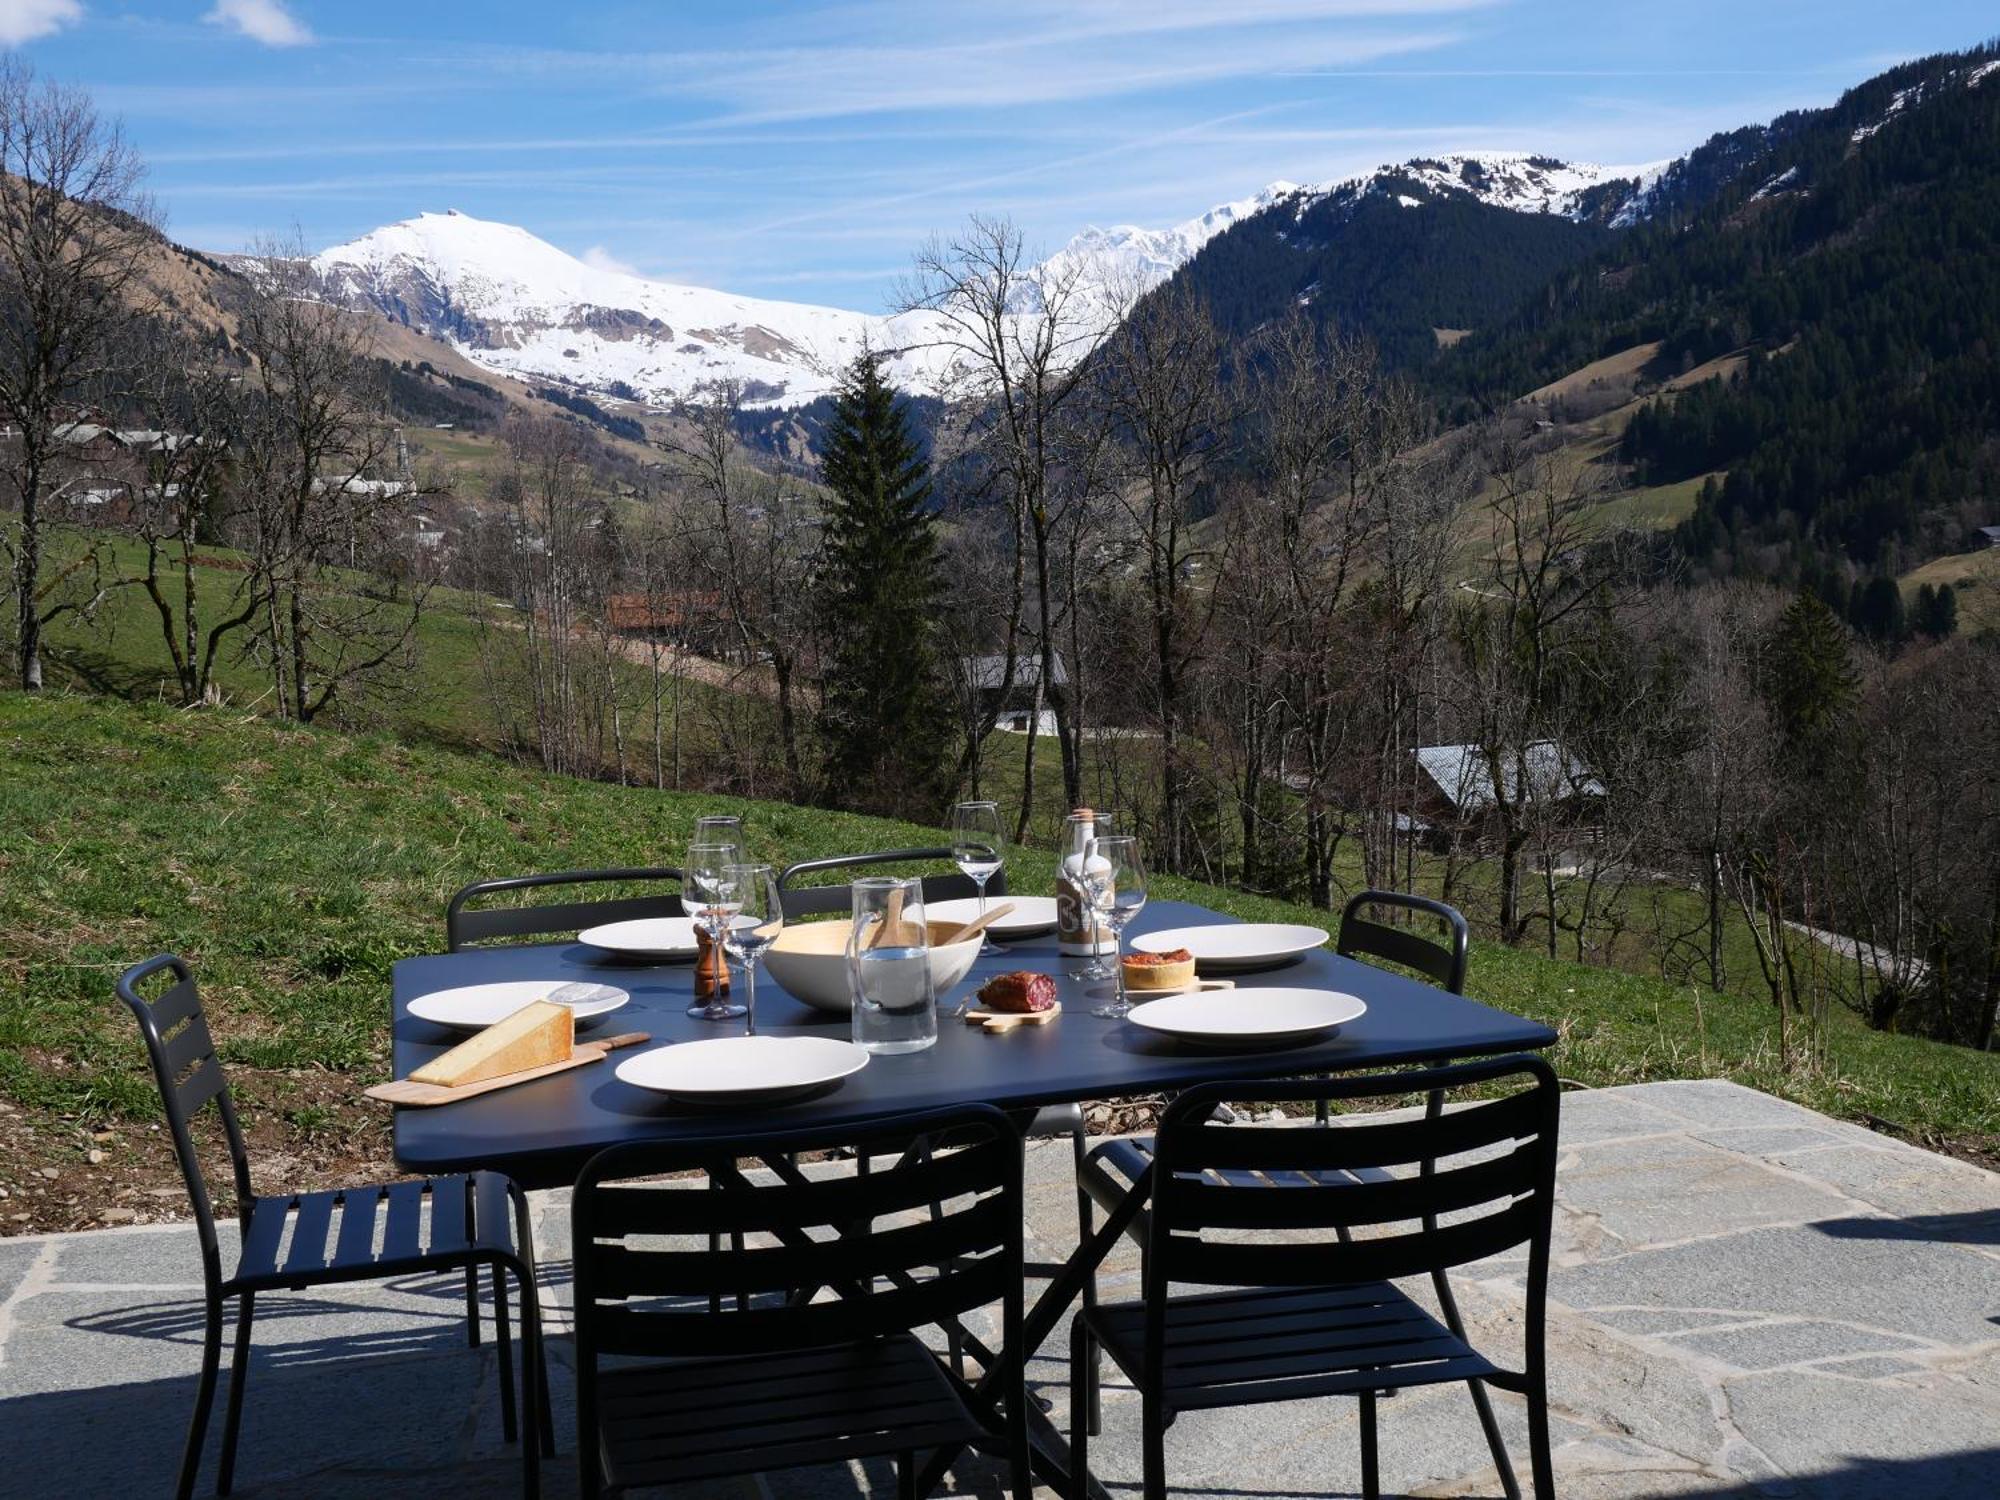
[1504, 179]
[516, 304]
[1126, 256]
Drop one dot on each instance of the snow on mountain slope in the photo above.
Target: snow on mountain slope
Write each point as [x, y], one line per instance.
[1126, 256]
[1506, 179]
[515, 303]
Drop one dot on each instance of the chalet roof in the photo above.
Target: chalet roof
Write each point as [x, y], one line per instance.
[988, 672]
[1460, 772]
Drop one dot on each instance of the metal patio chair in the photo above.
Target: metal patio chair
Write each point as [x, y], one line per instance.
[1312, 1309]
[1115, 1166]
[752, 1372]
[820, 900]
[475, 1219]
[466, 923]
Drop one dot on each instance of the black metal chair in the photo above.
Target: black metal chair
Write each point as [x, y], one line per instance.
[333, 1234]
[1441, 963]
[1116, 1166]
[752, 1371]
[465, 925]
[819, 900]
[1313, 1310]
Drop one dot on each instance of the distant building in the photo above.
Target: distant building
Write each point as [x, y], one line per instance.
[1992, 535]
[1456, 783]
[696, 621]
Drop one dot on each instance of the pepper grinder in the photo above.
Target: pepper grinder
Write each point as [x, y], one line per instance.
[711, 967]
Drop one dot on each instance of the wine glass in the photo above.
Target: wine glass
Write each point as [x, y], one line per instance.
[710, 895]
[722, 828]
[977, 843]
[759, 918]
[1115, 887]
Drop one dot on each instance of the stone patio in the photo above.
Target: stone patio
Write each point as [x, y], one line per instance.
[1749, 1300]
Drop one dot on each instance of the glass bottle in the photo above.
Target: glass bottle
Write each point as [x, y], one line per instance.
[889, 967]
[1078, 934]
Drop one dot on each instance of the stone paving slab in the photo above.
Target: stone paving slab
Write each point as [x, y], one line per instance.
[1748, 1300]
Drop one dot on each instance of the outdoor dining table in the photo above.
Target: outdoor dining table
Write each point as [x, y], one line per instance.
[543, 1131]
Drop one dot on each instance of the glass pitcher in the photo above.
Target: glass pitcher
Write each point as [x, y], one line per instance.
[889, 967]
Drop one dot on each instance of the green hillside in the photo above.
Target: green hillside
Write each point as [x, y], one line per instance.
[293, 867]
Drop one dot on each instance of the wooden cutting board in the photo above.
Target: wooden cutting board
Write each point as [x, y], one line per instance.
[999, 1021]
[415, 1095]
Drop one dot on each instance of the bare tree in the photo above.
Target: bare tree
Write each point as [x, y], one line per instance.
[1160, 380]
[1013, 336]
[1554, 569]
[759, 541]
[184, 497]
[74, 231]
[323, 493]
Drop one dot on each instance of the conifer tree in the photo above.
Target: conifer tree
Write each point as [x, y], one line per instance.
[886, 722]
[1810, 681]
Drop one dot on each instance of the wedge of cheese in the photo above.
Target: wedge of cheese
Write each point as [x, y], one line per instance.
[535, 1034]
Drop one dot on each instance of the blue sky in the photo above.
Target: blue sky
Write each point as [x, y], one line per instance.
[803, 150]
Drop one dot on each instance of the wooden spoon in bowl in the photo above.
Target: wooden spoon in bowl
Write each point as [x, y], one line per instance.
[979, 924]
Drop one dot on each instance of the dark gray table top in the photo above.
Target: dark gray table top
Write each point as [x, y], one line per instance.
[542, 1132]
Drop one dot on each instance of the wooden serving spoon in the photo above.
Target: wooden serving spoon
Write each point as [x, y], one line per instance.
[979, 924]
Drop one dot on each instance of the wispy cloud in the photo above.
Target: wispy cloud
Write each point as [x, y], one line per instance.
[909, 58]
[25, 20]
[265, 21]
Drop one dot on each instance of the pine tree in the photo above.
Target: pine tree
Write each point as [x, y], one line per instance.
[886, 722]
[1810, 681]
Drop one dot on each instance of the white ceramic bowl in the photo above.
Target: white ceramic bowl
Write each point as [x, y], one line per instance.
[810, 961]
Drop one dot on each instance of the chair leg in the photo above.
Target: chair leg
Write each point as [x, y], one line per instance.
[1540, 1458]
[1083, 1355]
[1086, 1226]
[1483, 1404]
[239, 1375]
[1153, 1437]
[533, 1350]
[539, 1438]
[906, 1475]
[1371, 1471]
[503, 1342]
[204, 1398]
[472, 1306]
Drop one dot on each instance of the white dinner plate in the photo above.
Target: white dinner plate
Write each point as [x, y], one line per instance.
[1231, 947]
[1248, 1017]
[1031, 914]
[473, 1007]
[743, 1069]
[644, 937]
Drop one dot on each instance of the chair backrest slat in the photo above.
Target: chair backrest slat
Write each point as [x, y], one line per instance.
[818, 900]
[1496, 1155]
[189, 1075]
[1389, 1143]
[1350, 1204]
[1341, 1263]
[689, 1332]
[466, 923]
[832, 1200]
[925, 1234]
[1442, 963]
[624, 1272]
[188, 1044]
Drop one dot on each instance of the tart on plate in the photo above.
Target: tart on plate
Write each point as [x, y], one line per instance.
[1172, 970]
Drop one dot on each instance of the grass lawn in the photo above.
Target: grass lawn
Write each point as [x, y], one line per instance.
[294, 866]
[445, 697]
